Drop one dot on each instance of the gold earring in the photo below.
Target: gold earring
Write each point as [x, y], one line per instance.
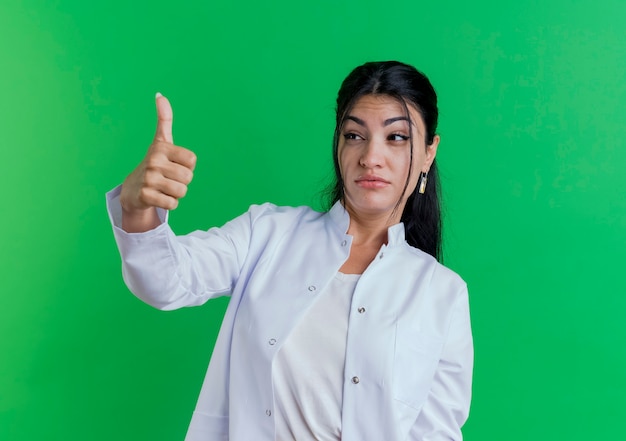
[423, 181]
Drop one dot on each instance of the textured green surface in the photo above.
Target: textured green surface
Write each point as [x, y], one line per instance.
[532, 123]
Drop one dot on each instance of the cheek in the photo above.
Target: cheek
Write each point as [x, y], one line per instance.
[412, 181]
[341, 159]
[416, 169]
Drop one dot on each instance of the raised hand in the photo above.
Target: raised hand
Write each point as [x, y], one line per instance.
[160, 180]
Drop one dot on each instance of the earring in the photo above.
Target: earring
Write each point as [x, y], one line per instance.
[423, 181]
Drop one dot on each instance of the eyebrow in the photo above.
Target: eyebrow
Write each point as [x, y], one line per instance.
[387, 122]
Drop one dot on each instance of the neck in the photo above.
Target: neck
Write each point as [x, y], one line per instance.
[369, 230]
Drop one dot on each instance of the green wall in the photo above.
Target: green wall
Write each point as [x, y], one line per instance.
[533, 108]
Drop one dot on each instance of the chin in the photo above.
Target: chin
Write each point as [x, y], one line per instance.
[373, 209]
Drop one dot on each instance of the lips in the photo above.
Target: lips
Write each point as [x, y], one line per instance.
[371, 178]
[371, 181]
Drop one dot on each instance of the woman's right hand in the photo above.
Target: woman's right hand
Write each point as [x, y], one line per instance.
[160, 180]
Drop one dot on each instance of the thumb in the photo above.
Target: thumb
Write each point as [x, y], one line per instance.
[164, 120]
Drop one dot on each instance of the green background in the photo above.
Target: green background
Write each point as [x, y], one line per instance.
[532, 99]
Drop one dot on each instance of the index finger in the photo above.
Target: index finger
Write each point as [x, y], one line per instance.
[182, 156]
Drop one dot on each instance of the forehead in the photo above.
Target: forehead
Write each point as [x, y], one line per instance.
[381, 107]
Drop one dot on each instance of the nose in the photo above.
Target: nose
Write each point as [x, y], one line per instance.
[372, 154]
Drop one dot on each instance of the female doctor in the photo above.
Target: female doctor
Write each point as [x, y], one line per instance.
[341, 325]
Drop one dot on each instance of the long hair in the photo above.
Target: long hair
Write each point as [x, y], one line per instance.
[422, 213]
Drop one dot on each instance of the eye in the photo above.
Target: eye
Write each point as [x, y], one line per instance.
[351, 136]
[397, 137]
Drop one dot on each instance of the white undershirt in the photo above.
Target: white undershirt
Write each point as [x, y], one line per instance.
[308, 369]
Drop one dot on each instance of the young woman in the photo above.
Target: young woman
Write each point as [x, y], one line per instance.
[341, 325]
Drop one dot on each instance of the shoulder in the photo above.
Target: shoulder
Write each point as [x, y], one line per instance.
[439, 275]
[270, 219]
[269, 212]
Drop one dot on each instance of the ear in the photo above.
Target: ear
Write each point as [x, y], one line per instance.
[431, 152]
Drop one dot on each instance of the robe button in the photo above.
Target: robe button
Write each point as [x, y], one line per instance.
[355, 380]
[312, 288]
[272, 341]
[361, 310]
[344, 243]
[268, 412]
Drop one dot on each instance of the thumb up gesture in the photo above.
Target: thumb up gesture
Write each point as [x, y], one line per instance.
[160, 180]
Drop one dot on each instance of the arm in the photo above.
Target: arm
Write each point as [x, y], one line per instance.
[163, 270]
[447, 407]
[169, 271]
